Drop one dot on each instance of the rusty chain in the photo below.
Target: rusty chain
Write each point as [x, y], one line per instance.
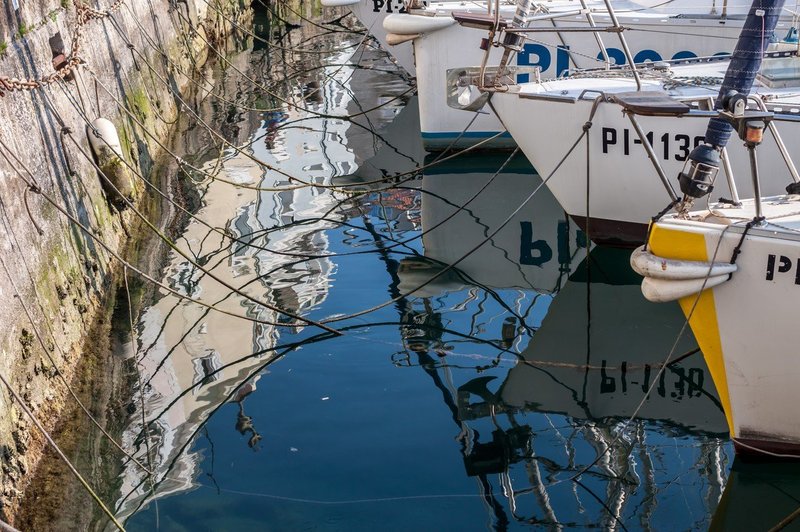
[84, 15]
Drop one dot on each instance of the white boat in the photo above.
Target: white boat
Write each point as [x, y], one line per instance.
[428, 43]
[442, 46]
[620, 170]
[371, 14]
[713, 261]
[749, 348]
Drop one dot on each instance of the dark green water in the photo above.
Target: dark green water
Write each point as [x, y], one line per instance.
[481, 400]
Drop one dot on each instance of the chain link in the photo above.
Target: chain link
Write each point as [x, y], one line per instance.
[84, 15]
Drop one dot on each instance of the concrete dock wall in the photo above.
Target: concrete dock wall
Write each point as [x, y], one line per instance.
[59, 273]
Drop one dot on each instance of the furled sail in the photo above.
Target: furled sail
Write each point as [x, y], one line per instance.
[745, 62]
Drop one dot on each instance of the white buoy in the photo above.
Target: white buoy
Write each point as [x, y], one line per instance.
[105, 144]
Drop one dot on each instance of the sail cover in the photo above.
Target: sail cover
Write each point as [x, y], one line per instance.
[745, 61]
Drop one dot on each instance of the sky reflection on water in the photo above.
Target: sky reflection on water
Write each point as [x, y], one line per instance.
[469, 403]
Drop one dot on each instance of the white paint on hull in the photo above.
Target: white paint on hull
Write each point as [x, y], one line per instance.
[458, 46]
[623, 184]
[754, 313]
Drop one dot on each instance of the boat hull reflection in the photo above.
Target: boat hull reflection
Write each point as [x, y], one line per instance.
[566, 395]
[601, 348]
[759, 494]
[466, 204]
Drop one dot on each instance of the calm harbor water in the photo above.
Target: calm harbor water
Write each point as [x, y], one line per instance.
[473, 397]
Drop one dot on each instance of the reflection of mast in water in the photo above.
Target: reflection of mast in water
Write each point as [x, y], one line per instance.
[422, 332]
[595, 380]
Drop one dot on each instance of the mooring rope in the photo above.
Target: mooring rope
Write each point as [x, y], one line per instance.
[5, 527]
[194, 262]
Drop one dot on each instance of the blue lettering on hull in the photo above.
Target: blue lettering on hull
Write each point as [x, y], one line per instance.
[533, 54]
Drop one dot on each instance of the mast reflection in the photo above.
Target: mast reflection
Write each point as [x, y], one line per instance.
[557, 394]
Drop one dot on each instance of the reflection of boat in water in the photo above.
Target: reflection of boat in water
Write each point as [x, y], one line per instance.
[586, 370]
[465, 201]
[600, 349]
[524, 432]
[194, 361]
[759, 494]
[399, 152]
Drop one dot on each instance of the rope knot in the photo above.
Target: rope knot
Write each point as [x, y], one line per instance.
[587, 126]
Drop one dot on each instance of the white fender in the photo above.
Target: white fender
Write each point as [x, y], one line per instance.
[665, 290]
[338, 3]
[393, 39]
[108, 137]
[107, 150]
[405, 24]
[648, 265]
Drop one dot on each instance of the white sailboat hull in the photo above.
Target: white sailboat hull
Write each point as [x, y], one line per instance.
[651, 34]
[371, 14]
[745, 326]
[624, 190]
[457, 46]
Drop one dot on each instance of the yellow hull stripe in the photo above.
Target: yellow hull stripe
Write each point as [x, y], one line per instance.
[683, 245]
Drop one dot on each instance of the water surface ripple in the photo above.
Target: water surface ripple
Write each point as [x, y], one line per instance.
[469, 403]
